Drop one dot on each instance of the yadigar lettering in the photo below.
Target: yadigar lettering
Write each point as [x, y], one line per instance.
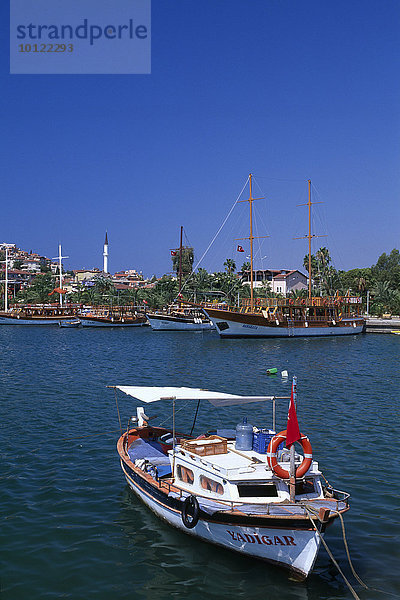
[252, 538]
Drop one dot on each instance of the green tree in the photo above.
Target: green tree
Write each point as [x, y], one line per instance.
[387, 268]
[230, 266]
[39, 290]
[187, 260]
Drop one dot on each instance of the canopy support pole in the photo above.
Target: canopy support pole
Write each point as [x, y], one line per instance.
[195, 417]
[173, 438]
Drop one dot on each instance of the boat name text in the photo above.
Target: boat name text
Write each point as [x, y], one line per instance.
[275, 540]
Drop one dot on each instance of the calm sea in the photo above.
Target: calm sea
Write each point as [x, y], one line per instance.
[70, 527]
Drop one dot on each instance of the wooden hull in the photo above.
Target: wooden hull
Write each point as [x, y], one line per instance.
[230, 324]
[105, 322]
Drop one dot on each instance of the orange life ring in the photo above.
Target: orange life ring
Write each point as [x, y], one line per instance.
[273, 461]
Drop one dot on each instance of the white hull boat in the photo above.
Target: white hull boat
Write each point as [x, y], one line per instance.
[164, 322]
[265, 502]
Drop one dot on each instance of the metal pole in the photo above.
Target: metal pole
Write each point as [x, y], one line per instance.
[6, 284]
[292, 472]
[367, 303]
[60, 274]
[273, 414]
[173, 438]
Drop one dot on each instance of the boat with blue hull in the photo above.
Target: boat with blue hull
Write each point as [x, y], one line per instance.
[263, 501]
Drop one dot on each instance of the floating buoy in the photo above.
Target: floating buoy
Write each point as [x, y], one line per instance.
[284, 374]
[272, 371]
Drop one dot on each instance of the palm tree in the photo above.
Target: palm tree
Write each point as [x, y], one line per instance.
[230, 266]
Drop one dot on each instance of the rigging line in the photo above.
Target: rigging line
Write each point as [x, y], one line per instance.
[216, 235]
[332, 557]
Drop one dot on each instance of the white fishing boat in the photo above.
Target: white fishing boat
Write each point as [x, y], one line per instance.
[72, 324]
[246, 494]
[179, 318]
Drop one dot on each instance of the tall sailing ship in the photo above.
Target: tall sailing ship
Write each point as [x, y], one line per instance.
[287, 317]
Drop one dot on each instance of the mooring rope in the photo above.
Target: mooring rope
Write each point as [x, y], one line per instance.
[352, 590]
[356, 576]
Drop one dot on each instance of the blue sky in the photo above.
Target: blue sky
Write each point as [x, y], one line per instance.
[284, 89]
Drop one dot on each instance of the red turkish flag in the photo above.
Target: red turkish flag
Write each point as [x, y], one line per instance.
[173, 253]
[292, 429]
[240, 249]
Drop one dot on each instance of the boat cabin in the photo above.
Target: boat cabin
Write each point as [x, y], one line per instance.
[235, 476]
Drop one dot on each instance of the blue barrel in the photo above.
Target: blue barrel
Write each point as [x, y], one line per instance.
[244, 435]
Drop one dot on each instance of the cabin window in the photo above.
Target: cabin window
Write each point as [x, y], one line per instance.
[210, 485]
[263, 490]
[305, 486]
[184, 474]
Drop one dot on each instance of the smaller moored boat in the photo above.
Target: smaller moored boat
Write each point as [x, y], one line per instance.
[179, 318]
[111, 316]
[73, 323]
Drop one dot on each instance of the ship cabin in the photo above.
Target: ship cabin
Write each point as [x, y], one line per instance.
[238, 477]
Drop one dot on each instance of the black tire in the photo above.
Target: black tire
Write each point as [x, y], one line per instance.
[190, 512]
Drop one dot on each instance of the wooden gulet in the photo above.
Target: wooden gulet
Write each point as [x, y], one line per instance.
[287, 317]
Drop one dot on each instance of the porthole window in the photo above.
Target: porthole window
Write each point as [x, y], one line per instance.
[210, 485]
[184, 474]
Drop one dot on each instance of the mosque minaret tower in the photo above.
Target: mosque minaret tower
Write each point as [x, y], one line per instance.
[105, 255]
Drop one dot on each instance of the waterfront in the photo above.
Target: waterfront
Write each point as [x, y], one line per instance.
[70, 527]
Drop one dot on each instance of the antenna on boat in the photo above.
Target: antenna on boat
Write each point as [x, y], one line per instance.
[309, 236]
[250, 200]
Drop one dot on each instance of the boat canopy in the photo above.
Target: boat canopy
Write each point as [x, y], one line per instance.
[154, 394]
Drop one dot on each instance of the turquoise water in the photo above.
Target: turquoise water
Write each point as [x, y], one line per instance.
[70, 527]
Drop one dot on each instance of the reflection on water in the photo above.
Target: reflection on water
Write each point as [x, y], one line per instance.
[72, 529]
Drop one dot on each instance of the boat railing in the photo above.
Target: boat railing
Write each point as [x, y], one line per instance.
[337, 496]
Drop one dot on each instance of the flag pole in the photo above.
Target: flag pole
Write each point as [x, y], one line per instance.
[292, 471]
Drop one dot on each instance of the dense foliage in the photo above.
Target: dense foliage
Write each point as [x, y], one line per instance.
[381, 282]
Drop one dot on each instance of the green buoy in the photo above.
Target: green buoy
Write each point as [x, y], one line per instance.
[272, 371]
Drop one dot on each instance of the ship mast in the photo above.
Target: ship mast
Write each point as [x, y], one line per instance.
[309, 236]
[250, 200]
[6, 282]
[59, 258]
[309, 239]
[180, 263]
[251, 242]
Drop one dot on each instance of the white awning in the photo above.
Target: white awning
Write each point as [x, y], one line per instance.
[154, 394]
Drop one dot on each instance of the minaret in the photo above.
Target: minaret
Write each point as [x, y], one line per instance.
[105, 255]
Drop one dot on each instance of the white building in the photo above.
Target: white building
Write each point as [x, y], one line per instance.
[284, 283]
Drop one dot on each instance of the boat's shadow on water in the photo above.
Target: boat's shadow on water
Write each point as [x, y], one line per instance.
[180, 566]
